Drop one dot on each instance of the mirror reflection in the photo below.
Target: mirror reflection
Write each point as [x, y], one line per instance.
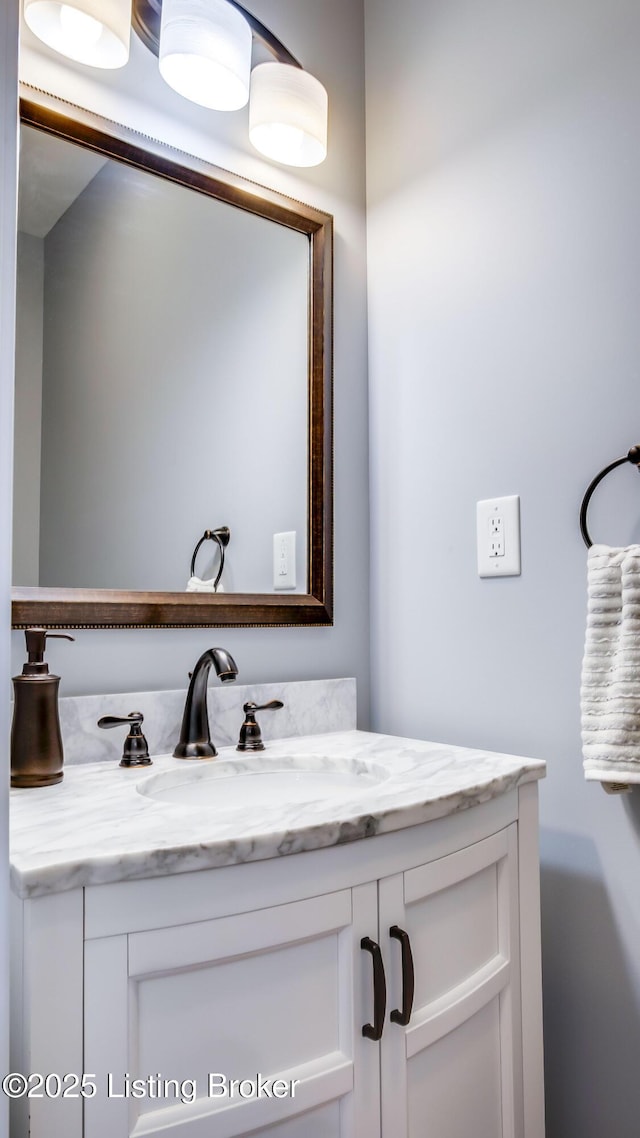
[161, 381]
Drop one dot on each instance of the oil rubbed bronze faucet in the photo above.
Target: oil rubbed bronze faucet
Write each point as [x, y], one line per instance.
[195, 740]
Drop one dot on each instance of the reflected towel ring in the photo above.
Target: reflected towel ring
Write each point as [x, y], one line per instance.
[633, 457]
[221, 537]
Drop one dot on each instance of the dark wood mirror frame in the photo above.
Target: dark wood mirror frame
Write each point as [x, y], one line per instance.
[106, 608]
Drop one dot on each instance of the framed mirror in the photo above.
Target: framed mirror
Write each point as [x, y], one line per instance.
[173, 445]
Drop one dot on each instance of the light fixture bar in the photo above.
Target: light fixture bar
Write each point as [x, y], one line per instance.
[204, 52]
[146, 16]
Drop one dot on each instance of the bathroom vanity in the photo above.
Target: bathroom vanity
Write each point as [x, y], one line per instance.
[376, 950]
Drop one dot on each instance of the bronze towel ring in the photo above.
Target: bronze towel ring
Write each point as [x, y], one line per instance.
[221, 537]
[633, 457]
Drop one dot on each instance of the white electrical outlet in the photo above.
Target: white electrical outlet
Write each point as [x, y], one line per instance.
[284, 560]
[498, 533]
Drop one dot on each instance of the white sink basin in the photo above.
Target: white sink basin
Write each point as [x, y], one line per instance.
[244, 783]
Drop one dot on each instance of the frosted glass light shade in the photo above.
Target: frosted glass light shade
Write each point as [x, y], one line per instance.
[205, 52]
[94, 32]
[288, 115]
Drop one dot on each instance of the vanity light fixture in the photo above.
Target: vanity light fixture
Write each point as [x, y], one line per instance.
[288, 114]
[204, 49]
[94, 32]
[205, 52]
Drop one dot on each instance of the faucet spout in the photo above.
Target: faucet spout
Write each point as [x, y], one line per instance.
[195, 740]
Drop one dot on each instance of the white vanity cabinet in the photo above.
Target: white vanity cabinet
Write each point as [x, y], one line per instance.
[455, 1069]
[272, 992]
[259, 969]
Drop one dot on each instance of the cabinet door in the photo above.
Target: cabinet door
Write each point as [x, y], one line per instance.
[276, 993]
[455, 1069]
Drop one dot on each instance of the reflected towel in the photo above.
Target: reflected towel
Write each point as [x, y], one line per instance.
[195, 585]
[610, 690]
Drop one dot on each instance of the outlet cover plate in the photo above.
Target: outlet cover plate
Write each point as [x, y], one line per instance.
[284, 560]
[498, 536]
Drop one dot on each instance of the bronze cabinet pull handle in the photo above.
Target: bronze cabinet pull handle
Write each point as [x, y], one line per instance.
[374, 1030]
[408, 979]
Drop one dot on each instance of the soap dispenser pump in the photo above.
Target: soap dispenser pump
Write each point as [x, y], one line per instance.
[36, 742]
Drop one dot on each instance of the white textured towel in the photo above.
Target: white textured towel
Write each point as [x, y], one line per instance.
[610, 691]
[195, 585]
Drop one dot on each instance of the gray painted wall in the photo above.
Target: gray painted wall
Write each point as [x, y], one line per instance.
[504, 182]
[175, 388]
[328, 39]
[28, 409]
[504, 258]
[8, 216]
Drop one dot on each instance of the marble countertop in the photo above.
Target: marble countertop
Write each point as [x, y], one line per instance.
[96, 827]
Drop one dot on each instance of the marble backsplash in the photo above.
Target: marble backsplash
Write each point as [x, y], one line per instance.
[311, 707]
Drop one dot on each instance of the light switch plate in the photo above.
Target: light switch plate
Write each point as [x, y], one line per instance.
[498, 536]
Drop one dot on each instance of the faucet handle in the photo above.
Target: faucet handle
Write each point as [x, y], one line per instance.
[136, 749]
[250, 734]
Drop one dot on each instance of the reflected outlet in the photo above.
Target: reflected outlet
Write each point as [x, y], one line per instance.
[284, 560]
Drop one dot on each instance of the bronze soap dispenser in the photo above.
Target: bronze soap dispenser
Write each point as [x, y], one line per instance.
[36, 742]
